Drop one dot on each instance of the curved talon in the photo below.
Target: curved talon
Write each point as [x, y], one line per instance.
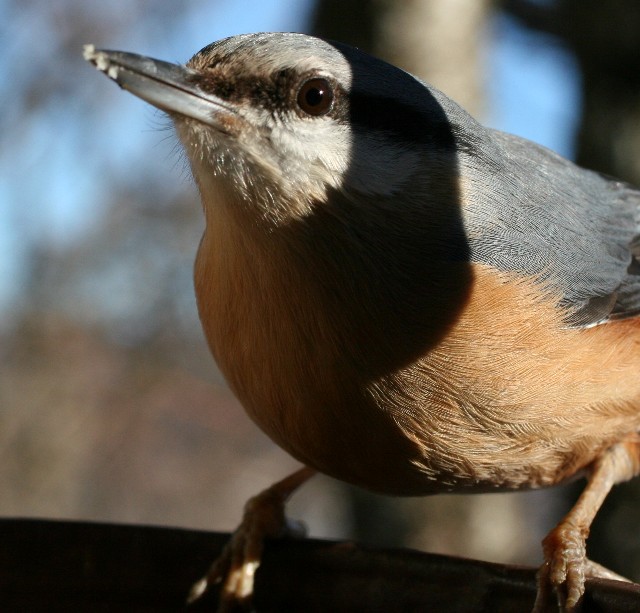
[565, 556]
[565, 599]
[197, 590]
[593, 570]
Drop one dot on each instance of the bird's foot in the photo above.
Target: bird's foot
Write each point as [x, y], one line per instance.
[565, 570]
[264, 518]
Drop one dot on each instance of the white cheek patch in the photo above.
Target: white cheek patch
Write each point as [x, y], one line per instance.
[323, 153]
[313, 151]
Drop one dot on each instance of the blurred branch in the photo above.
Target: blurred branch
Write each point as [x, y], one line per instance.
[81, 566]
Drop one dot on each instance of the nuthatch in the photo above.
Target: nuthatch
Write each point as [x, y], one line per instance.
[400, 297]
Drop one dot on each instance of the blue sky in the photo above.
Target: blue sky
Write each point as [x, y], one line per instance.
[533, 86]
[51, 187]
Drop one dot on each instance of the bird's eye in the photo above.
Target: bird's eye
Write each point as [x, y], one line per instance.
[315, 97]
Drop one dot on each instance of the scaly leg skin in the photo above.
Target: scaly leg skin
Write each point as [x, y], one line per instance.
[264, 517]
[565, 564]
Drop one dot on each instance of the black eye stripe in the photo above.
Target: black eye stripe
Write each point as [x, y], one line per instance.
[281, 93]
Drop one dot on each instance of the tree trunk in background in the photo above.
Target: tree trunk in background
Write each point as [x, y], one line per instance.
[440, 42]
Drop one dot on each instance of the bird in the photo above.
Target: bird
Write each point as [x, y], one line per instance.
[400, 297]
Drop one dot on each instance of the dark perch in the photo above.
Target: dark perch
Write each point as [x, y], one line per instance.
[74, 566]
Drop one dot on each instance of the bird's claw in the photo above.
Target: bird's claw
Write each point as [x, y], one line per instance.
[564, 569]
[264, 518]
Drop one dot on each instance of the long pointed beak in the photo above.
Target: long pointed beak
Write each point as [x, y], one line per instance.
[170, 87]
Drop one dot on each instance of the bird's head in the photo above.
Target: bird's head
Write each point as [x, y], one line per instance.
[282, 120]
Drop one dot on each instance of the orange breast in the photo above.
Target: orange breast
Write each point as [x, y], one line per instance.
[495, 394]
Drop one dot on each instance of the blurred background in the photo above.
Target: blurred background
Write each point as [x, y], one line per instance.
[111, 408]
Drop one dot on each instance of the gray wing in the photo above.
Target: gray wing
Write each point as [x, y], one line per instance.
[531, 211]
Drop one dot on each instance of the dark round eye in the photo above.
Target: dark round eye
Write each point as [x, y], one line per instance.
[315, 97]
